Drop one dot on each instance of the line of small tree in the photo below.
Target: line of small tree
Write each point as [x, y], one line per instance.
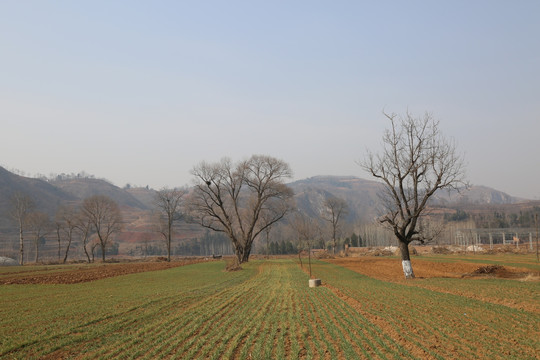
[54, 176]
[354, 240]
[94, 223]
[496, 219]
[202, 247]
[281, 248]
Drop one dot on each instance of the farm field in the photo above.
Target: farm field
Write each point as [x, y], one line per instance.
[267, 311]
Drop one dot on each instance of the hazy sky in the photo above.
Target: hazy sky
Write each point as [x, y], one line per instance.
[141, 91]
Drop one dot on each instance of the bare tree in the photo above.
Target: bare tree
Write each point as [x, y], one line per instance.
[67, 221]
[104, 216]
[21, 205]
[39, 225]
[84, 225]
[416, 161]
[58, 225]
[234, 199]
[93, 245]
[169, 205]
[307, 230]
[267, 236]
[266, 218]
[334, 210]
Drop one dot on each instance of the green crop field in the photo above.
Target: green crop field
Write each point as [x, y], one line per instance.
[267, 311]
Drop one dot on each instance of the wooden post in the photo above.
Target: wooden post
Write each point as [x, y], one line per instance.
[530, 242]
[504, 239]
[490, 242]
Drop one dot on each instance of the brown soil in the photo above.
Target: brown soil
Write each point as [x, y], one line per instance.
[85, 273]
[390, 268]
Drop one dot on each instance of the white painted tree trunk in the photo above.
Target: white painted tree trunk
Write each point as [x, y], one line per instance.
[407, 269]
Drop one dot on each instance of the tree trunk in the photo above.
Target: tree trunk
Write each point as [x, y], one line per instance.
[67, 250]
[267, 246]
[406, 260]
[86, 252]
[93, 249]
[58, 238]
[169, 241]
[247, 252]
[37, 250]
[239, 252]
[21, 246]
[242, 253]
[102, 251]
[309, 260]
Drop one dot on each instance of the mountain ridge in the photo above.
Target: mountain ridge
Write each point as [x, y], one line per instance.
[360, 194]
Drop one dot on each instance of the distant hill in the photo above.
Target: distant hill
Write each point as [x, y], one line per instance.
[82, 188]
[45, 196]
[361, 196]
[145, 196]
[477, 194]
[49, 195]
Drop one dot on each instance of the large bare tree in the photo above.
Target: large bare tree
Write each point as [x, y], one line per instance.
[334, 209]
[241, 200]
[21, 206]
[104, 216]
[169, 204]
[416, 161]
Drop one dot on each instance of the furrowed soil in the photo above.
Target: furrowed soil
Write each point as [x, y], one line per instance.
[431, 275]
[59, 274]
[390, 269]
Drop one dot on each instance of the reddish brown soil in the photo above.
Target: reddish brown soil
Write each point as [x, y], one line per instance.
[85, 273]
[390, 268]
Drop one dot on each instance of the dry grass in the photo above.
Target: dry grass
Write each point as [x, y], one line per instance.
[530, 277]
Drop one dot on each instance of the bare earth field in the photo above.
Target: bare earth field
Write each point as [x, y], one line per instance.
[431, 274]
[390, 269]
[73, 274]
